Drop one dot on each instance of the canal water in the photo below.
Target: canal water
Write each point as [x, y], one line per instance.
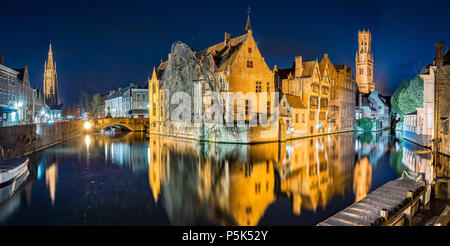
[131, 179]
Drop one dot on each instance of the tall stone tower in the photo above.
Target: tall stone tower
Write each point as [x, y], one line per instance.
[364, 62]
[50, 81]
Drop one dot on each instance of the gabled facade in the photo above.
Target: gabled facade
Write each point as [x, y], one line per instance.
[344, 100]
[234, 65]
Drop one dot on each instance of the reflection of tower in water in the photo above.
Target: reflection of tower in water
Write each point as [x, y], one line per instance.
[194, 188]
[362, 179]
[51, 178]
[236, 184]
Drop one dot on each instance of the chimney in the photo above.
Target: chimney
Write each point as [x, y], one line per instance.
[227, 38]
[1, 60]
[325, 56]
[439, 53]
[298, 66]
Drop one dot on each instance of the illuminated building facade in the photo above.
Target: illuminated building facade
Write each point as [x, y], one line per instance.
[364, 63]
[50, 80]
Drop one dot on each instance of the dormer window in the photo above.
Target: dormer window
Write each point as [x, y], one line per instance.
[249, 64]
[249, 50]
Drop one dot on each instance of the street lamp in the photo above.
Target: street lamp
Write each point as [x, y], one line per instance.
[87, 125]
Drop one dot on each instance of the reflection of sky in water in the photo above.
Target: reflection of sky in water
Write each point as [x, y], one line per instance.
[131, 180]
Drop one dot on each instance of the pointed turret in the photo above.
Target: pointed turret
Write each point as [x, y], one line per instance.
[50, 80]
[154, 73]
[248, 27]
[50, 57]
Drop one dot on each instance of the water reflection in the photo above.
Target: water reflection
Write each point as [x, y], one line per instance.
[235, 184]
[130, 179]
[362, 179]
[51, 177]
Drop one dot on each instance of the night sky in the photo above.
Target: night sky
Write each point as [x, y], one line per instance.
[99, 46]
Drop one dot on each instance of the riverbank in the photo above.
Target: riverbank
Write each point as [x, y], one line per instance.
[20, 140]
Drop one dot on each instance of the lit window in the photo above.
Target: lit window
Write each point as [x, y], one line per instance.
[314, 101]
[258, 86]
[248, 107]
[249, 50]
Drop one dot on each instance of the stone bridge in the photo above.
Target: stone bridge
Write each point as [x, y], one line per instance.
[135, 125]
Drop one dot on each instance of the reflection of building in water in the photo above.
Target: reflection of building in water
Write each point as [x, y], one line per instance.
[229, 184]
[316, 169]
[51, 178]
[234, 184]
[125, 150]
[362, 179]
[372, 145]
[419, 160]
[251, 191]
[195, 188]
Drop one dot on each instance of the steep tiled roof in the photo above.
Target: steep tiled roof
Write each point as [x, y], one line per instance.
[284, 73]
[308, 68]
[223, 54]
[160, 69]
[295, 101]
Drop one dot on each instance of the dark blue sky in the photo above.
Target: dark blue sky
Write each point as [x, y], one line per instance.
[100, 46]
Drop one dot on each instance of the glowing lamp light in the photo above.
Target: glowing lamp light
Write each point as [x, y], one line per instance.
[87, 125]
[20, 104]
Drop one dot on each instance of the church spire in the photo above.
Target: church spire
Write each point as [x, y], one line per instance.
[50, 57]
[248, 27]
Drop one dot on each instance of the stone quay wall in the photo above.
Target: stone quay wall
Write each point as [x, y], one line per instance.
[19, 140]
[444, 137]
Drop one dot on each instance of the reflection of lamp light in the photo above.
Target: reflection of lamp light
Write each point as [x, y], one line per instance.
[87, 141]
[87, 125]
[20, 104]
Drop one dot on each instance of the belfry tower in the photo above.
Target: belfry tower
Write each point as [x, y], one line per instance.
[364, 63]
[50, 80]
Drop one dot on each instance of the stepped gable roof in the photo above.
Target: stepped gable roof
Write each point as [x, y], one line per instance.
[295, 101]
[223, 54]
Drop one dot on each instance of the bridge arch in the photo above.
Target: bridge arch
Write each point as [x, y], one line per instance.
[135, 125]
[116, 126]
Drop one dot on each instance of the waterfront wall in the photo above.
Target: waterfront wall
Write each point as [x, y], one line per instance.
[21, 140]
[221, 133]
[444, 136]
